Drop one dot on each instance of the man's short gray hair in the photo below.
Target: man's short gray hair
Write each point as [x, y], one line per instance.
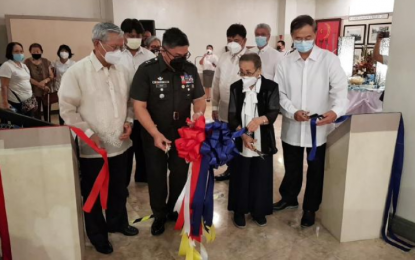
[152, 39]
[101, 30]
[264, 26]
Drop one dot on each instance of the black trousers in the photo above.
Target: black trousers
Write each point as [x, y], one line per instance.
[97, 227]
[137, 150]
[293, 179]
[251, 186]
[157, 162]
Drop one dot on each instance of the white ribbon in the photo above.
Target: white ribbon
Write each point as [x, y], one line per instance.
[250, 101]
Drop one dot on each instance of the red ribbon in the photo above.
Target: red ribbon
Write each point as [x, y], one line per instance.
[188, 148]
[102, 182]
[4, 227]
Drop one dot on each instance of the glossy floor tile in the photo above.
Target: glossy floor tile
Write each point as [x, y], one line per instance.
[281, 239]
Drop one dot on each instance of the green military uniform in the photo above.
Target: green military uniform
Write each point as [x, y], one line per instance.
[169, 96]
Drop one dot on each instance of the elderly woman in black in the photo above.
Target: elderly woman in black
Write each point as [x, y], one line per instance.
[254, 104]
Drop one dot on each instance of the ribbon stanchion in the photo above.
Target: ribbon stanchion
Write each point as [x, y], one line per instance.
[313, 129]
[205, 147]
[4, 227]
[393, 193]
[101, 184]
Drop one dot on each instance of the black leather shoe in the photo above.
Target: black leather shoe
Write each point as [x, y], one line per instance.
[105, 248]
[239, 220]
[128, 231]
[261, 221]
[308, 219]
[173, 216]
[158, 226]
[281, 205]
[224, 176]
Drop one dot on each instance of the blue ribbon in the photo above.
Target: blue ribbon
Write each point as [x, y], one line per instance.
[218, 149]
[313, 126]
[393, 193]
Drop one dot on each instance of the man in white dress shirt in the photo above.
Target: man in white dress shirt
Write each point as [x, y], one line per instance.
[94, 96]
[311, 81]
[132, 57]
[270, 57]
[227, 72]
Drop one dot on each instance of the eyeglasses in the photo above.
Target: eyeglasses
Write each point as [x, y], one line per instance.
[248, 74]
[186, 56]
[116, 48]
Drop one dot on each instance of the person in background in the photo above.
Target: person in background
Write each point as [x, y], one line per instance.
[60, 66]
[384, 59]
[281, 48]
[254, 104]
[93, 96]
[208, 62]
[311, 81]
[15, 80]
[269, 56]
[41, 79]
[146, 35]
[132, 57]
[164, 90]
[153, 44]
[226, 73]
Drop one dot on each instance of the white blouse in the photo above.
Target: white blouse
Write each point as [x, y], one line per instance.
[96, 99]
[60, 69]
[249, 112]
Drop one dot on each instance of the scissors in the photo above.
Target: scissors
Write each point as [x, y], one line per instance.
[261, 154]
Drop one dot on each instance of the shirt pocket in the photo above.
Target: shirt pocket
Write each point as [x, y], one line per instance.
[162, 92]
[187, 91]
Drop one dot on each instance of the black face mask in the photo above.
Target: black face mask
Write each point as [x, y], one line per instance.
[36, 56]
[178, 64]
[155, 51]
[278, 48]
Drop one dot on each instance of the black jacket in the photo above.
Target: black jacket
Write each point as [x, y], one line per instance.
[268, 105]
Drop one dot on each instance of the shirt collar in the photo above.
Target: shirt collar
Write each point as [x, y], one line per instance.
[140, 51]
[162, 63]
[314, 55]
[258, 85]
[95, 62]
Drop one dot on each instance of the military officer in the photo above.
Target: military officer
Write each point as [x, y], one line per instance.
[163, 90]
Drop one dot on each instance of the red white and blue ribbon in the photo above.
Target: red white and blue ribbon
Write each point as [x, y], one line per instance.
[205, 147]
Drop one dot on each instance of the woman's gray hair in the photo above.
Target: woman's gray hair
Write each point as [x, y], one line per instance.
[264, 26]
[101, 30]
[152, 39]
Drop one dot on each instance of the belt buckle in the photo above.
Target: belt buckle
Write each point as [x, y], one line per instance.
[176, 116]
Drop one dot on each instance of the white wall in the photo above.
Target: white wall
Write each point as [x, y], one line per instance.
[98, 9]
[339, 8]
[204, 21]
[399, 96]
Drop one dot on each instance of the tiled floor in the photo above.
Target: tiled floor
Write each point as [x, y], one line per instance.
[281, 239]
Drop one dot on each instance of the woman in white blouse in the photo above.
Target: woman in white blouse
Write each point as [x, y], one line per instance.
[15, 80]
[60, 66]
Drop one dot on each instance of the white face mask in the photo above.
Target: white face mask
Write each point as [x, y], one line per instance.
[64, 55]
[134, 43]
[209, 52]
[234, 48]
[249, 81]
[112, 57]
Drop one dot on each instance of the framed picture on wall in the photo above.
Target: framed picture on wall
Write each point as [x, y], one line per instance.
[374, 29]
[328, 32]
[358, 55]
[357, 31]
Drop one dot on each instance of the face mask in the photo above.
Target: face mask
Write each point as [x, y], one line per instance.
[304, 46]
[178, 64]
[18, 57]
[112, 57]
[278, 48]
[36, 56]
[261, 41]
[155, 51]
[209, 51]
[133, 43]
[234, 48]
[64, 55]
[249, 81]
